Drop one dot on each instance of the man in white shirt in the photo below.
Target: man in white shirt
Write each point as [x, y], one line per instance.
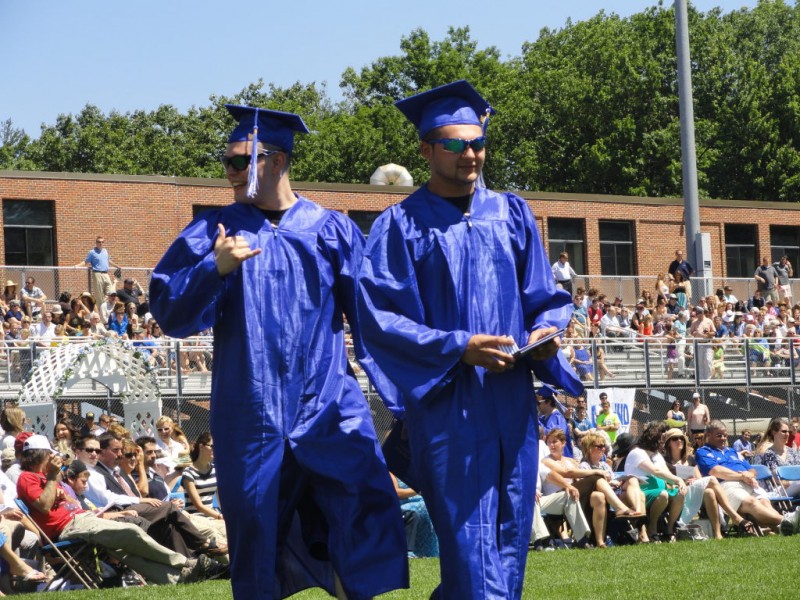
[107, 307]
[44, 331]
[610, 326]
[563, 272]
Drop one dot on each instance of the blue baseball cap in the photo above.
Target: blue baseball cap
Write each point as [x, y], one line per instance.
[273, 127]
[456, 103]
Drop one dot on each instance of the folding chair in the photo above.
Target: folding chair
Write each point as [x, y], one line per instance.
[775, 490]
[790, 473]
[74, 559]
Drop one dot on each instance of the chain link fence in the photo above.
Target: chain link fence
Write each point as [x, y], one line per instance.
[750, 392]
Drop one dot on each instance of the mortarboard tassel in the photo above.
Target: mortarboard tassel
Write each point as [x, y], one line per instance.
[252, 176]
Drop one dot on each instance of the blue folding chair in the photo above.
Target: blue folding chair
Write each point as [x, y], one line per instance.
[790, 473]
[71, 559]
[771, 484]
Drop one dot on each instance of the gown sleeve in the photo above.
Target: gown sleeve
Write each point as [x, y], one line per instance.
[543, 304]
[410, 360]
[186, 286]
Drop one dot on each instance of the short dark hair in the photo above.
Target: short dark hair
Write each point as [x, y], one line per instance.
[650, 437]
[32, 458]
[105, 439]
[81, 443]
[145, 439]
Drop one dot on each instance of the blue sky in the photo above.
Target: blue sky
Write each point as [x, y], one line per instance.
[59, 56]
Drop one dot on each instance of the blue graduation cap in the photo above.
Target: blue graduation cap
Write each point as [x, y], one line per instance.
[273, 127]
[546, 391]
[456, 103]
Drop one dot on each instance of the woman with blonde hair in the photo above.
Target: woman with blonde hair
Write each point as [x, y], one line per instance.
[595, 492]
[170, 438]
[12, 420]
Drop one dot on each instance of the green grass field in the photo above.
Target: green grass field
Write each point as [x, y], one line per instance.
[731, 568]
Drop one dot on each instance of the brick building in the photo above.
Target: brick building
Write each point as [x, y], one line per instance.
[53, 218]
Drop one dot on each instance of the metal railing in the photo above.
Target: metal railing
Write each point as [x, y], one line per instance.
[748, 381]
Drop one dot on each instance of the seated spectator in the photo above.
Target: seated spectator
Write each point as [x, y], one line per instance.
[739, 481]
[420, 536]
[701, 491]
[78, 313]
[96, 328]
[663, 491]
[12, 421]
[10, 293]
[106, 309]
[626, 488]
[582, 360]
[57, 511]
[580, 423]
[14, 311]
[32, 298]
[170, 438]
[743, 446]
[555, 495]
[200, 479]
[64, 434]
[131, 291]
[774, 450]
[596, 493]
[118, 321]
[602, 367]
[675, 416]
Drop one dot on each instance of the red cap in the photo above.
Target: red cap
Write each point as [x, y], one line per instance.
[20, 439]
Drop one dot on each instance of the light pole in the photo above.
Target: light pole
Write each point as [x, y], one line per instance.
[694, 244]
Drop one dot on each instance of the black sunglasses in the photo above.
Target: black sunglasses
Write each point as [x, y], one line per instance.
[240, 162]
[130, 454]
[459, 146]
[91, 450]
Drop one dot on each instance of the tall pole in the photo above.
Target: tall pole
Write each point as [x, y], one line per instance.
[691, 202]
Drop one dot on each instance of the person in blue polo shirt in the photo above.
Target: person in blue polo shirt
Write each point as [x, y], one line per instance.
[98, 261]
[739, 480]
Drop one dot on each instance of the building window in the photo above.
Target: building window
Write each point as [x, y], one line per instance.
[616, 248]
[785, 241]
[364, 219]
[197, 209]
[567, 235]
[740, 250]
[28, 232]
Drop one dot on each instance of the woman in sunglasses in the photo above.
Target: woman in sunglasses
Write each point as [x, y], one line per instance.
[133, 470]
[170, 438]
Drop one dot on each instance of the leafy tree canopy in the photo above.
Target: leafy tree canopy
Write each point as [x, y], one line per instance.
[591, 107]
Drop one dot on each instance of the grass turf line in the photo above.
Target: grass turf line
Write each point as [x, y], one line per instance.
[728, 568]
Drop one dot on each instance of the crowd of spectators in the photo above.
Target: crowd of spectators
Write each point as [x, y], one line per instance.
[663, 485]
[32, 323]
[157, 513]
[763, 328]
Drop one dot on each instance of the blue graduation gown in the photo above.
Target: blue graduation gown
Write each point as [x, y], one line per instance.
[290, 423]
[432, 278]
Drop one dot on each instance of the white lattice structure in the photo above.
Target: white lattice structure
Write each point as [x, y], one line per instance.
[115, 364]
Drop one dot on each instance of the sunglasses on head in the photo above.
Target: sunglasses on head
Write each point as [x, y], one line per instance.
[240, 162]
[459, 146]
